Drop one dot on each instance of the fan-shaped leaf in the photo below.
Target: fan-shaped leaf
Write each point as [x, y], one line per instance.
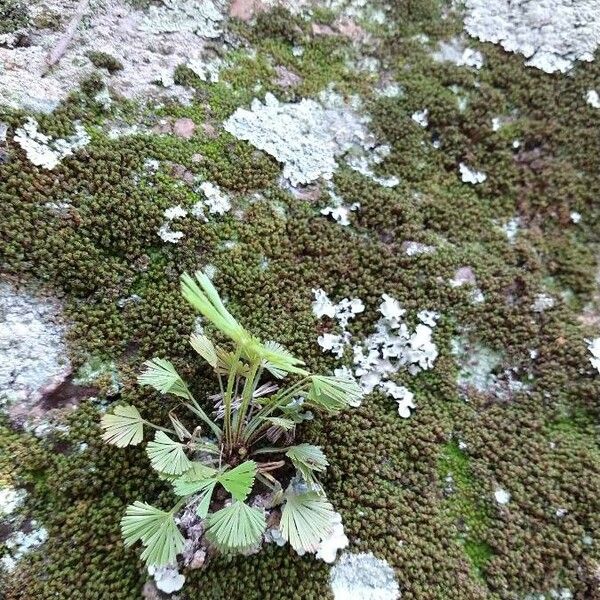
[196, 479]
[124, 427]
[236, 527]
[162, 376]
[285, 424]
[157, 531]
[204, 504]
[333, 393]
[205, 348]
[239, 481]
[306, 519]
[279, 361]
[307, 458]
[167, 456]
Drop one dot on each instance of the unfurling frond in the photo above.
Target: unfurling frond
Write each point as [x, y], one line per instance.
[239, 481]
[307, 459]
[162, 376]
[236, 527]
[333, 393]
[306, 519]
[167, 456]
[124, 427]
[157, 531]
[205, 348]
[205, 299]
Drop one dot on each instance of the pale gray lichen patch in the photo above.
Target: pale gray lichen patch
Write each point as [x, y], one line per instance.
[363, 576]
[33, 354]
[149, 44]
[307, 136]
[20, 543]
[551, 34]
[45, 151]
[456, 52]
[203, 18]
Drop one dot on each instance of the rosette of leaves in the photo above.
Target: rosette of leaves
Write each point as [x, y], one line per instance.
[225, 454]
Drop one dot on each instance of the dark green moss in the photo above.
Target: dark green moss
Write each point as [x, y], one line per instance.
[13, 15]
[387, 475]
[102, 60]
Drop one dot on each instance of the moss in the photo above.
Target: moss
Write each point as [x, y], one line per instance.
[387, 475]
[13, 15]
[102, 60]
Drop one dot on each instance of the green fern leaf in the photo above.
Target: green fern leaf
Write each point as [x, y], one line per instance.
[157, 531]
[285, 424]
[306, 519]
[239, 481]
[333, 393]
[236, 527]
[307, 459]
[205, 348]
[195, 480]
[167, 456]
[124, 427]
[162, 376]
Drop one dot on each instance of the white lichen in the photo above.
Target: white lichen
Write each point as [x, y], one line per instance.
[594, 348]
[20, 543]
[10, 500]
[215, 201]
[363, 577]
[336, 540]
[456, 52]
[421, 117]
[412, 248]
[593, 98]
[469, 175]
[384, 353]
[43, 150]
[345, 310]
[551, 34]
[202, 18]
[307, 137]
[167, 579]
[501, 496]
[165, 232]
[542, 302]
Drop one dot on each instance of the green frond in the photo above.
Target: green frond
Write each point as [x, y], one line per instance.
[157, 531]
[205, 299]
[236, 527]
[306, 519]
[279, 361]
[124, 427]
[196, 479]
[205, 497]
[162, 376]
[307, 459]
[205, 348]
[285, 424]
[167, 456]
[333, 393]
[239, 480]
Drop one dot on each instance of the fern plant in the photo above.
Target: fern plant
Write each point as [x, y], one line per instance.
[240, 453]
